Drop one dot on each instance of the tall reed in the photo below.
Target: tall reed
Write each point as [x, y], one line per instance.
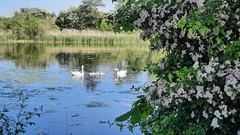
[82, 37]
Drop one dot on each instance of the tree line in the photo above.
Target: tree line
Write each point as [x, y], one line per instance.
[30, 22]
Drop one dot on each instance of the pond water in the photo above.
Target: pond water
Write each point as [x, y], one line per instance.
[72, 105]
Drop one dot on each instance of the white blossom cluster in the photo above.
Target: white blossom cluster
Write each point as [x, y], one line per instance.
[163, 17]
[160, 22]
[168, 25]
[174, 94]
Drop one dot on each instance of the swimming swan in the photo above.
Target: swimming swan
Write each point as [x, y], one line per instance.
[121, 73]
[77, 73]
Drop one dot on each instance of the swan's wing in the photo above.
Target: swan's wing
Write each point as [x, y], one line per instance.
[76, 73]
[72, 72]
[121, 75]
[122, 72]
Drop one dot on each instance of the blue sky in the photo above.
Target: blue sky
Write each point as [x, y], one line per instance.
[8, 6]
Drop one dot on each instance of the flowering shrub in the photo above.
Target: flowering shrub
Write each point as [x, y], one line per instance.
[198, 85]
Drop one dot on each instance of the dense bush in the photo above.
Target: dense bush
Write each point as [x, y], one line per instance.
[104, 26]
[28, 23]
[198, 87]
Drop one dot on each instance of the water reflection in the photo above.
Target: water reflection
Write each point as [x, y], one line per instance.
[40, 56]
[72, 104]
[26, 56]
[76, 78]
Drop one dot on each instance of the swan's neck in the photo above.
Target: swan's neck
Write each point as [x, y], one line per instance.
[82, 71]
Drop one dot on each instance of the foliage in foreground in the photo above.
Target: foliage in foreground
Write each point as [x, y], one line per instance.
[198, 85]
[13, 126]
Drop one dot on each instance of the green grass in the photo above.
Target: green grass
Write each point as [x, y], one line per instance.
[89, 39]
[82, 39]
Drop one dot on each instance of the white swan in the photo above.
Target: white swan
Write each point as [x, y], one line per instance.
[77, 73]
[121, 73]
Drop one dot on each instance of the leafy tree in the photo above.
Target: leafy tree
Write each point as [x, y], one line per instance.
[1, 23]
[48, 19]
[61, 21]
[16, 25]
[105, 26]
[36, 12]
[28, 23]
[22, 26]
[82, 17]
[68, 19]
[33, 27]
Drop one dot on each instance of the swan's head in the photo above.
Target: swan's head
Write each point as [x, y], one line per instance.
[115, 70]
[83, 66]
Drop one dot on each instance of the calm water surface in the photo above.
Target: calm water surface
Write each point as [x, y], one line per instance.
[71, 105]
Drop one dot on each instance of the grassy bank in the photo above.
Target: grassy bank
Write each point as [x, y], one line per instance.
[82, 37]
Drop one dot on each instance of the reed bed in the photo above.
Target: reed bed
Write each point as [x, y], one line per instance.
[82, 37]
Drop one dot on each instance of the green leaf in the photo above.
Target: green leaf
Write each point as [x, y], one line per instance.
[218, 40]
[211, 39]
[142, 97]
[144, 115]
[136, 115]
[185, 69]
[180, 75]
[171, 115]
[124, 116]
[182, 23]
[202, 31]
[165, 120]
[198, 12]
[155, 129]
[210, 51]
[121, 126]
[190, 31]
[170, 77]
[174, 26]
[198, 23]
[222, 31]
